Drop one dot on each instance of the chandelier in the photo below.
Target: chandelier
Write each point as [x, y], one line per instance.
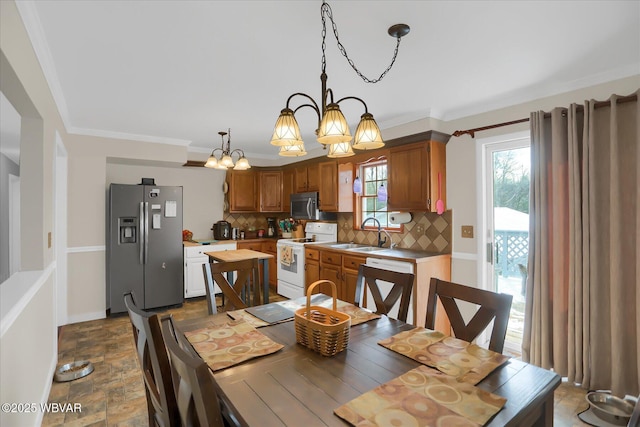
[333, 129]
[225, 160]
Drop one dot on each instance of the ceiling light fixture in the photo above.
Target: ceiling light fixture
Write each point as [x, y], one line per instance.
[333, 129]
[226, 156]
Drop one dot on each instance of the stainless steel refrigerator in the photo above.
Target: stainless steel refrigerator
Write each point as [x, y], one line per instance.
[144, 246]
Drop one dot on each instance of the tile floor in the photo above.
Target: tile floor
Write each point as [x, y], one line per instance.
[113, 395]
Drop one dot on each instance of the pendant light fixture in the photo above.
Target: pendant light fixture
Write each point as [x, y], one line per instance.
[226, 156]
[357, 185]
[382, 193]
[333, 129]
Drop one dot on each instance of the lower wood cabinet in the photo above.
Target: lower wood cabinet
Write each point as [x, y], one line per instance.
[342, 270]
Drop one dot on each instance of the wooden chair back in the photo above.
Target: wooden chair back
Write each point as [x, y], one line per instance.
[402, 286]
[493, 306]
[154, 362]
[238, 295]
[198, 402]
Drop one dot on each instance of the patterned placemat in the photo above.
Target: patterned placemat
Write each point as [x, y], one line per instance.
[358, 315]
[465, 361]
[422, 397]
[230, 343]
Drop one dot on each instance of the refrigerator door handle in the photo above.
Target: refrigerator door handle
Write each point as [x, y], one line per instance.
[146, 231]
[141, 238]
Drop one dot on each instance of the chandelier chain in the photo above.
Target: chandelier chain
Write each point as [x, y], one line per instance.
[325, 9]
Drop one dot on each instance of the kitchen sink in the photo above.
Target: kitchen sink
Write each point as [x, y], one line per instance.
[368, 249]
[348, 246]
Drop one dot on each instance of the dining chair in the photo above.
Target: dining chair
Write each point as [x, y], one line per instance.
[493, 306]
[239, 294]
[154, 362]
[198, 402]
[402, 285]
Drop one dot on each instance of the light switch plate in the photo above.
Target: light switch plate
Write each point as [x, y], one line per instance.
[467, 231]
[49, 239]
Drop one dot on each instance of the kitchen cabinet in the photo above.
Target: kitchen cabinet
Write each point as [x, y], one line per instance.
[287, 189]
[413, 169]
[269, 247]
[271, 191]
[311, 267]
[194, 258]
[328, 186]
[307, 178]
[341, 270]
[243, 191]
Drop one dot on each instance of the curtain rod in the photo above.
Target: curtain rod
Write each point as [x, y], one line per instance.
[599, 104]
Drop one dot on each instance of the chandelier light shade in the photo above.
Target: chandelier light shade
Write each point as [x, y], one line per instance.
[292, 150]
[286, 131]
[225, 160]
[333, 128]
[367, 134]
[340, 149]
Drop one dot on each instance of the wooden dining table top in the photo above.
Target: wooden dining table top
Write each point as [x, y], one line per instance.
[297, 387]
[237, 255]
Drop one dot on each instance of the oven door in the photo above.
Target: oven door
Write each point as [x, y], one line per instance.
[291, 264]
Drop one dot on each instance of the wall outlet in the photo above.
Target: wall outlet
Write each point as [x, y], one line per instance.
[420, 229]
[467, 231]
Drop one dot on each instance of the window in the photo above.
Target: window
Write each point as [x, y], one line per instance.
[373, 175]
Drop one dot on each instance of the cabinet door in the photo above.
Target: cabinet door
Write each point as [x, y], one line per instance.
[270, 248]
[313, 177]
[301, 179]
[287, 188]
[271, 191]
[350, 279]
[194, 285]
[408, 178]
[333, 273]
[311, 274]
[243, 188]
[328, 191]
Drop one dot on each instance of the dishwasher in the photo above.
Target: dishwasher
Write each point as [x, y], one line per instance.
[385, 287]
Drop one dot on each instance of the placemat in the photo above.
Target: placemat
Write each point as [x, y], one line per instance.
[422, 397]
[230, 343]
[271, 313]
[465, 361]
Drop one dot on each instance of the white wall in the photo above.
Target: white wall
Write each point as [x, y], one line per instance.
[202, 191]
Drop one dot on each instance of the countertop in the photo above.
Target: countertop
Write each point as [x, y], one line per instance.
[218, 242]
[398, 254]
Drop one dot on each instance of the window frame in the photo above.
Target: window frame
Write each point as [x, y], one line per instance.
[358, 216]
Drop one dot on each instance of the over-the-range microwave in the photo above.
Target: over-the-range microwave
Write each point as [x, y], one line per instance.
[305, 206]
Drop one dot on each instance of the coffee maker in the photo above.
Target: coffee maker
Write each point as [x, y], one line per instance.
[272, 228]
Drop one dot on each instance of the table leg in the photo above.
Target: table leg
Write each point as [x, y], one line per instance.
[265, 280]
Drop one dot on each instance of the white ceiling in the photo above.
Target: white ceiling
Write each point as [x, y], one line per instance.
[180, 71]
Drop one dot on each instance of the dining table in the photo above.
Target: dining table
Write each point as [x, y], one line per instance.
[298, 387]
[242, 255]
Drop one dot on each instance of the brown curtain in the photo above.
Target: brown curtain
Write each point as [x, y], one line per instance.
[582, 315]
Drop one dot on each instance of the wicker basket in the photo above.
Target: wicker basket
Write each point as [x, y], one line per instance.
[320, 329]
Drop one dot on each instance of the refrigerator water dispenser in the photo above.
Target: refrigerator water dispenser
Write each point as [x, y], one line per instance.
[128, 230]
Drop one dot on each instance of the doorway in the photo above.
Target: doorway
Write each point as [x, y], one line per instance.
[506, 165]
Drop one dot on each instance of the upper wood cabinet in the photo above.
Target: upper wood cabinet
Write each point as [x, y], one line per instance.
[271, 191]
[307, 178]
[328, 188]
[243, 191]
[413, 169]
[345, 187]
[287, 189]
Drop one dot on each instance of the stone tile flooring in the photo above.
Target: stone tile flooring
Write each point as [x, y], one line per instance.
[113, 395]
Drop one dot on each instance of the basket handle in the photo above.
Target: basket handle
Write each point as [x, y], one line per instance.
[334, 292]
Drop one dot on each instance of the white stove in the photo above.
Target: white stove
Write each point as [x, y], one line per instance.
[291, 257]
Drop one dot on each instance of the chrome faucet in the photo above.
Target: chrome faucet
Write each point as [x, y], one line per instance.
[380, 230]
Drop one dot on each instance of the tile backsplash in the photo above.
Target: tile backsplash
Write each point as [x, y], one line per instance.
[426, 231]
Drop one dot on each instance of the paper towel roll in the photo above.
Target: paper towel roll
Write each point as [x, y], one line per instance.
[400, 217]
